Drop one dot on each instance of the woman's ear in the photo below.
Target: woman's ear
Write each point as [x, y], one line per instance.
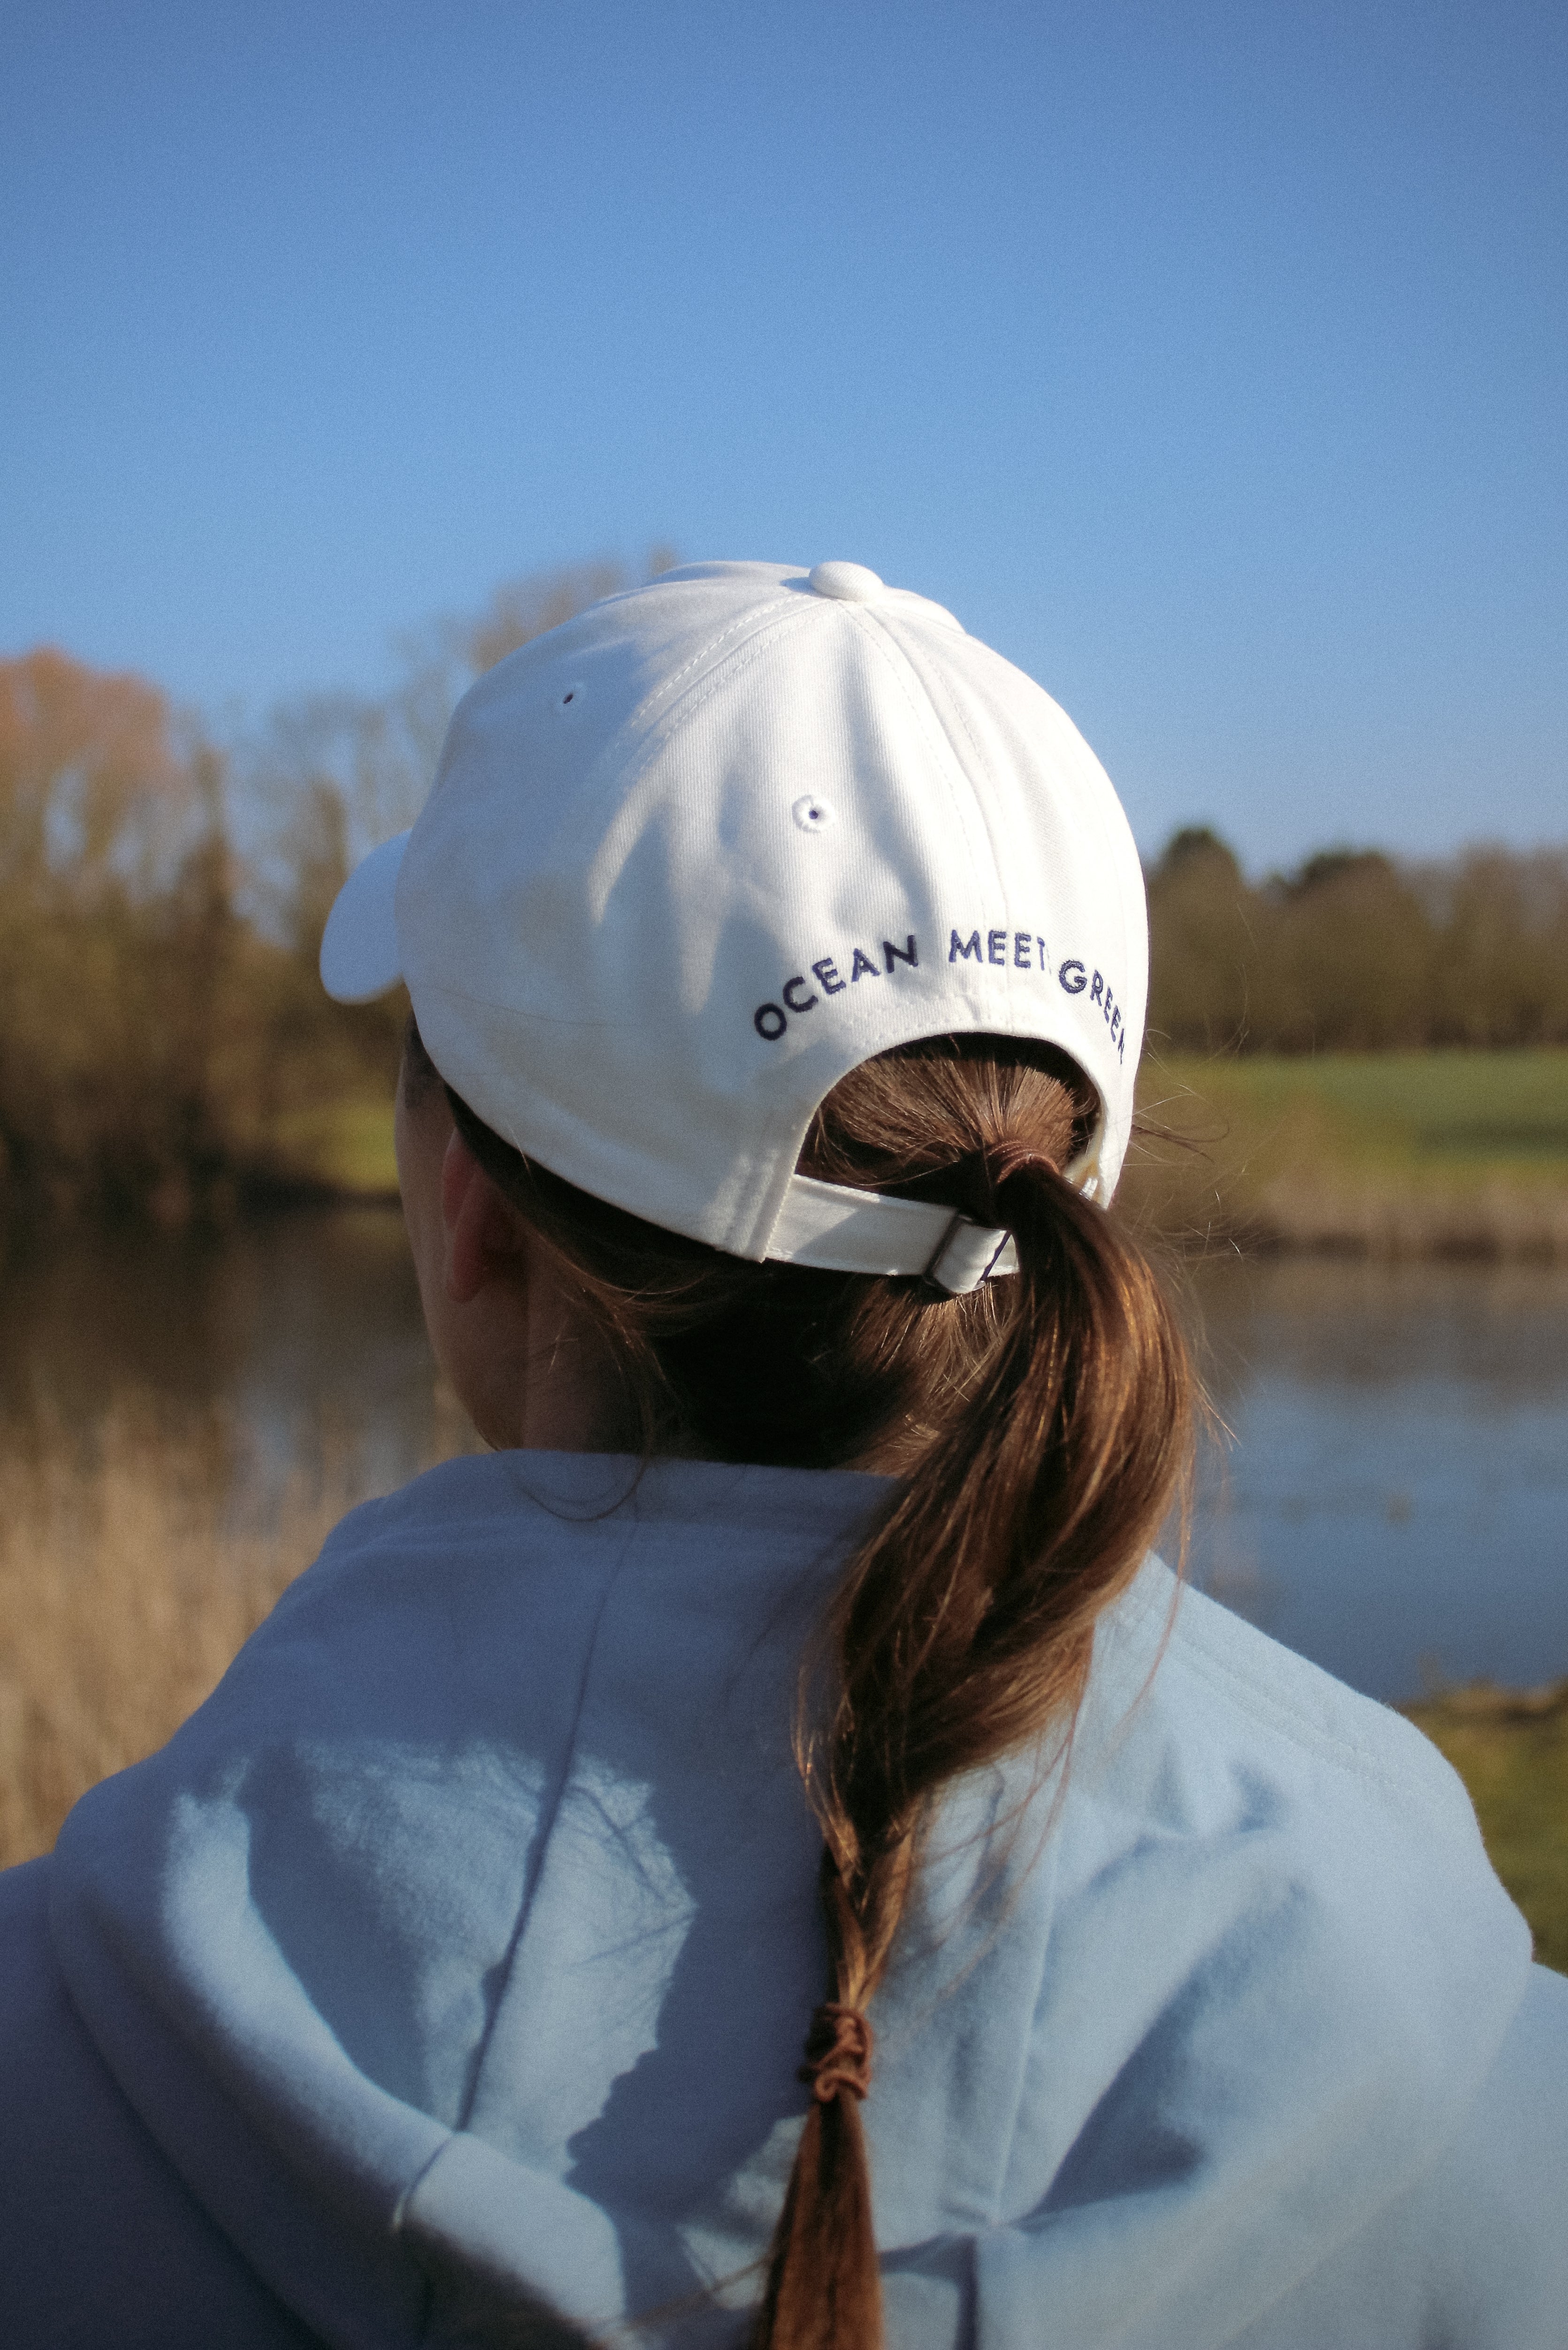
[484, 1233]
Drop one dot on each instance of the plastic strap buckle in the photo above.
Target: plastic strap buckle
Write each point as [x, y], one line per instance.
[971, 1254]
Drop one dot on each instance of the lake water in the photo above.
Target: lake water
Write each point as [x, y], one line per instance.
[1393, 1500]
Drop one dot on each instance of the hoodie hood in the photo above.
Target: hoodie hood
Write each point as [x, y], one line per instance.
[458, 1951]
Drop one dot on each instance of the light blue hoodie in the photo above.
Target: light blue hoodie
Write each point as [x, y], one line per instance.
[456, 1957]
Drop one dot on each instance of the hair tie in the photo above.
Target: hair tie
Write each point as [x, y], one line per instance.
[1013, 1160]
[838, 2053]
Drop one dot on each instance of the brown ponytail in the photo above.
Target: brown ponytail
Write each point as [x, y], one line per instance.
[1041, 1426]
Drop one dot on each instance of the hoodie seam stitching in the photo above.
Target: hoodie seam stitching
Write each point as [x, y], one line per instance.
[1043, 1858]
[1388, 1775]
[548, 1830]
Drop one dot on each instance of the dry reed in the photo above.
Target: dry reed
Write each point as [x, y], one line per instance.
[129, 1576]
[1391, 1219]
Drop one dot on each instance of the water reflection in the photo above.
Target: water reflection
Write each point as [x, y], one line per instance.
[1395, 1503]
[302, 1331]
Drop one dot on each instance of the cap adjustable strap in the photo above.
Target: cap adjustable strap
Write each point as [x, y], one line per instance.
[971, 1253]
[840, 1230]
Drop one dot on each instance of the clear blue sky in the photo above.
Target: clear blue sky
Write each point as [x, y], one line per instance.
[1211, 360]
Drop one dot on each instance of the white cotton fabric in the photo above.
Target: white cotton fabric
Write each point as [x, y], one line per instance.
[455, 1959]
[694, 854]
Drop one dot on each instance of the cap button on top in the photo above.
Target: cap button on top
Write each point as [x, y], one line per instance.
[845, 583]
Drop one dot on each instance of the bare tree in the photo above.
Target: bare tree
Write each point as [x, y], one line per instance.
[376, 756]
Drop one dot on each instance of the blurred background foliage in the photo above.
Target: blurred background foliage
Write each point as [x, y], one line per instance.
[1354, 953]
[166, 1049]
[165, 1045]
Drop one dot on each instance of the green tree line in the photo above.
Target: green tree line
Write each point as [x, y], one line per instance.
[1357, 951]
[162, 905]
[153, 1028]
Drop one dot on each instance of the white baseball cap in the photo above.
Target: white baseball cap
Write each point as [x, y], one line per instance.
[692, 856]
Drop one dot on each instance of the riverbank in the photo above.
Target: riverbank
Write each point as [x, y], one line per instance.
[129, 1576]
[1388, 1155]
[1395, 1155]
[1511, 1749]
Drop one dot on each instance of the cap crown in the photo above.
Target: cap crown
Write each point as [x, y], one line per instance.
[694, 854]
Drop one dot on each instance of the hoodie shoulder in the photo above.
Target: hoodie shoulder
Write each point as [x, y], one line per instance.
[1275, 1950]
[94, 2222]
[1226, 1683]
[1370, 1743]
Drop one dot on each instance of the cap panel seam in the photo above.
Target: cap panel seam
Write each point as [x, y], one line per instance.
[648, 729]
[782, 1125]
[738, 658]
[954, 701]
[623, 761]
[917, 669]
[888, 638]
[777, 617]
[949, 708]
[644, 712]
[881, 642]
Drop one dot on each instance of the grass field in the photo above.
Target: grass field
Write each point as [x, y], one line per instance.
[1512, 1751]
[1398, 1153]
[1411, 1154]
[348, 1149]
[1454, 1116]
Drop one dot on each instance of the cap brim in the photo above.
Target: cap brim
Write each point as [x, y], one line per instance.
[359, 956]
